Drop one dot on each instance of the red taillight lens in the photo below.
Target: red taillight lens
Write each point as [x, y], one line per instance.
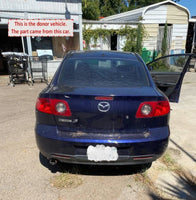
[53, 106]
[162, 108]
[153, 109]
[104, 98]
[43, 105]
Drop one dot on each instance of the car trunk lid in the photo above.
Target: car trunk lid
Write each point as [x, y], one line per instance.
[110, 110]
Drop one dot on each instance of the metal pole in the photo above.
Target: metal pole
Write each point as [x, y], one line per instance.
[29, 47]
[194, 39]
[80, 32]
[23, 48]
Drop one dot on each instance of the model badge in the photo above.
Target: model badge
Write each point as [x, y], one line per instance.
[103, 106]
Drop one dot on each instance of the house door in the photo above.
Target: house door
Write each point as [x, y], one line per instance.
[114, 42]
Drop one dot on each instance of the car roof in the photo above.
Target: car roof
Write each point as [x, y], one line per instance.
[105, 54]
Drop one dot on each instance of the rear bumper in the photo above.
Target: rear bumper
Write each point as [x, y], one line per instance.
[72, 147]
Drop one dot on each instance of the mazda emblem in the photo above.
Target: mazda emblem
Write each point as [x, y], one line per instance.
[103, 106]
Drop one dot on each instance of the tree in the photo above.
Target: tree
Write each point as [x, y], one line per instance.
[90, 9]
[164, 42]
[133, 4]
[134, 38]
[139, 38]
[111, 7]
[93, 9]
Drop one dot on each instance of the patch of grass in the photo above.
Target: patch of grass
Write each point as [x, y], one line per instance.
[66, 180]
[145, 180]
[167, 160]
[168, 164]
[173, 166]
[161, 168]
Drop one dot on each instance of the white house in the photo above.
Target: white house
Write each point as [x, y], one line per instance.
[153, 18]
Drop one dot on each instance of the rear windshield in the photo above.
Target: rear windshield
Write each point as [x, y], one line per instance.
[98, 72]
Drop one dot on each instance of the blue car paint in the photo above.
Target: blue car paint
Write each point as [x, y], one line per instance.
[153, 134]
[73, 150]
[145, 137]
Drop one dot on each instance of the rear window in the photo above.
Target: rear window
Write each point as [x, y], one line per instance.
[98, 72]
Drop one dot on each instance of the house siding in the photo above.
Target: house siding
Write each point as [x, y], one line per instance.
[41, 5]
[40, 9]
[150, 42]
[176, 15]
[179, 36]
[156, 15]
[171, 14]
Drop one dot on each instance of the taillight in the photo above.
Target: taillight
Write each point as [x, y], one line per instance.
[53, 106]
[153, 109]
[43, 105]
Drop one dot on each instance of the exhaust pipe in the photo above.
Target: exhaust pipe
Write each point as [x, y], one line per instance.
[53, 161]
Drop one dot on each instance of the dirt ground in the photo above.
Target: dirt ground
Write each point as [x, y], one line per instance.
[24, 175]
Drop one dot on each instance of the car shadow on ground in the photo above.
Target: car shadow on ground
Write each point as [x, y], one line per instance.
[95, 170]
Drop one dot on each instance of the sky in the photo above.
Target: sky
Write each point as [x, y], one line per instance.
[190, 4]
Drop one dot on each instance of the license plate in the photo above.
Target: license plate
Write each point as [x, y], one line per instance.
[102, 153]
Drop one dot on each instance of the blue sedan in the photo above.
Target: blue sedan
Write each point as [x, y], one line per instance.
[108, 108]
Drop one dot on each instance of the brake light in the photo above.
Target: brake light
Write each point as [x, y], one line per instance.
[153, 109]
[53, 106]
[104, 98]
